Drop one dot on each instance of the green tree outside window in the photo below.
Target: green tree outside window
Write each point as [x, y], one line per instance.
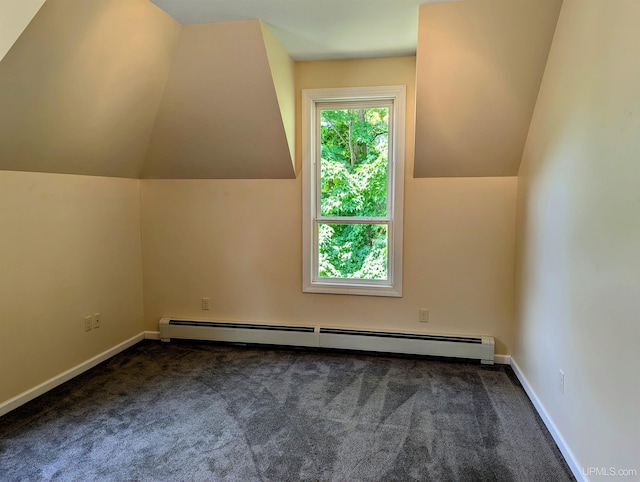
[354, 180]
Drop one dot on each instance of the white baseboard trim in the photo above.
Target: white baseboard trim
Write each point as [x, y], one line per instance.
[553, 430]
[502, 359]
[152, 335]
[44, 387]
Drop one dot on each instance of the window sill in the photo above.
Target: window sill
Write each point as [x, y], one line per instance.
[352, 289]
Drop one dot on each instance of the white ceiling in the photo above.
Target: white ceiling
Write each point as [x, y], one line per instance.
[318, 29]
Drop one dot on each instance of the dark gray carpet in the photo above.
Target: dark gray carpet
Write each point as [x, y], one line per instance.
[188, 411]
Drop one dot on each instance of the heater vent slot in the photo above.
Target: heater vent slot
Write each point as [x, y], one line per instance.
[408, 336]
[244, 326]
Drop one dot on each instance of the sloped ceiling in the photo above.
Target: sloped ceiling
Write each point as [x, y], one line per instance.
[80, 88]
[479, 68]
[219, 117]
[82, 91]
[119, 88]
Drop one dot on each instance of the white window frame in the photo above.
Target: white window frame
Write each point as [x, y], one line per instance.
[311, 100]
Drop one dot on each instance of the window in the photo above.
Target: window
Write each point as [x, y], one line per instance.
[353, 177]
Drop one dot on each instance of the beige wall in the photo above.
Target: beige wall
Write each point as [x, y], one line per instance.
[69, 247]
[219, 116]
[479, 64]
[283, 74]
[239, 243]
[15, 15]
[579, 235]
[80, 88]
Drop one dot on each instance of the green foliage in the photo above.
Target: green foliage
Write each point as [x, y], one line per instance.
[354, 173]
[356, 251]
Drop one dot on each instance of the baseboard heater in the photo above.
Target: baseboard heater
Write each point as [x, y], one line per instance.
[455, 346]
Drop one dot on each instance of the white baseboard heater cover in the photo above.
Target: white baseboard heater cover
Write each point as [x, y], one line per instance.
[455, 346]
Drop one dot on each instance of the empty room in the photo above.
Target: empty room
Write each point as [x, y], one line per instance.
[320, 240]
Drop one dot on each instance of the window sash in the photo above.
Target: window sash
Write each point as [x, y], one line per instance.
[317, 136]
[314, 100]
[348, 281]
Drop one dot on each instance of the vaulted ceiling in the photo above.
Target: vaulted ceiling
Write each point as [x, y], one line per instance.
[121, 88]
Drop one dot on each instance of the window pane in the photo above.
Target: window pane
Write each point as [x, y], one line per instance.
[354, 152]
[356, 251]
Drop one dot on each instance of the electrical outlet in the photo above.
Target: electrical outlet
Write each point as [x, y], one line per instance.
[205, 303]
[561, 381]
[423, 315]
[97, 319]
[87, 323]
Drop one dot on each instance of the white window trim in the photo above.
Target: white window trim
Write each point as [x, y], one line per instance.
[311, 283]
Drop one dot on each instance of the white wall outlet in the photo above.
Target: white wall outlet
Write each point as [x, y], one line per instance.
[97, 320]
[561, 381]
[423, 315]
[87, 323]
[205, 304]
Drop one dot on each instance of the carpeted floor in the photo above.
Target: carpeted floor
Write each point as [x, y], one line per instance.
[197, 411]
